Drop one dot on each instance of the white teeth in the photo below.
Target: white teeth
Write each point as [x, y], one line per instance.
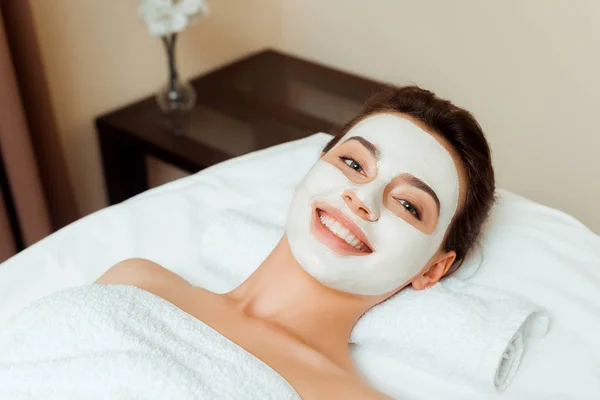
[337, 229]
[343, 233]
[349, 238]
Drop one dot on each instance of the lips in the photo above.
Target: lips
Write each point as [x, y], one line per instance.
[338, 232]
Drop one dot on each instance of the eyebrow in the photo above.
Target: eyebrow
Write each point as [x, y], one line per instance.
[368, 145]
[419, 184]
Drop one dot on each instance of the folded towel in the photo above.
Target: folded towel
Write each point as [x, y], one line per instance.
[121, 342]
[455, 328]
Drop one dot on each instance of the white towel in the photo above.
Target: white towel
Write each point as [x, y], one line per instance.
[120, 342]
[456, 328]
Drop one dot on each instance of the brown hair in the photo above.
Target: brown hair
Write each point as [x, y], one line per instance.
[464, 134]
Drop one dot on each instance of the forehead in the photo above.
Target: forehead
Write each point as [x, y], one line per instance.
[391, 133]
[400, 141]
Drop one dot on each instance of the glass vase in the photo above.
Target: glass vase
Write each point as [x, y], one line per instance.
[177, 98]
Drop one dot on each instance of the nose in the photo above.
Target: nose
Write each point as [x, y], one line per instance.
[358, 207]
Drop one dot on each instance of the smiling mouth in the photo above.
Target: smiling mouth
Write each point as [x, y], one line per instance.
[339, 235]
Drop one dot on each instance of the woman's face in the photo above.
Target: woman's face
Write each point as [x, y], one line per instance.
[372, 212]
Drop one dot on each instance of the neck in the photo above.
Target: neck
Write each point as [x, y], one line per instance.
[282, 293]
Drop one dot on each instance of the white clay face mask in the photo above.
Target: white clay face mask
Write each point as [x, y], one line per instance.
[398, 251]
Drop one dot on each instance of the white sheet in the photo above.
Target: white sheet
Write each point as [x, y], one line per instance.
[529, 249]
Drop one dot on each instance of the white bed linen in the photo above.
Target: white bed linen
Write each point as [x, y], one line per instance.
[531, 250]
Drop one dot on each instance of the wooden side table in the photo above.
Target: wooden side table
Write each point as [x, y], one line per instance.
[260, 101]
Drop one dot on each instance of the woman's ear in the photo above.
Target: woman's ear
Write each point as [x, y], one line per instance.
[435, 272]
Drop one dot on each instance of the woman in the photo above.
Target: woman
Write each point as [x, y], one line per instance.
[397, 198]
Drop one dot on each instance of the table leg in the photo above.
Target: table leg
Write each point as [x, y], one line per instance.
[124, 165]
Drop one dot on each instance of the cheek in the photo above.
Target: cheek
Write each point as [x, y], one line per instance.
[395, 232]
[401, 249]
[391, 234]
[325, 179]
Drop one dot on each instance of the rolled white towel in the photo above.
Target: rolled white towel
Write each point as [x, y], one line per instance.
[455, 328]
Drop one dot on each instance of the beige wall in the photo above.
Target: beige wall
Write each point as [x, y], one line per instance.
[98, 56]
[528, 69]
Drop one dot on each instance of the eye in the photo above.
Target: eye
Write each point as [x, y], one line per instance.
[352, 164]
[410, 208]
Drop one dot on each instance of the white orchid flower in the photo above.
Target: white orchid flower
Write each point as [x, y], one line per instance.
[165, 17]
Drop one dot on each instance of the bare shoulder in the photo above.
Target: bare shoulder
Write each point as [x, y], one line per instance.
[142, 273]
